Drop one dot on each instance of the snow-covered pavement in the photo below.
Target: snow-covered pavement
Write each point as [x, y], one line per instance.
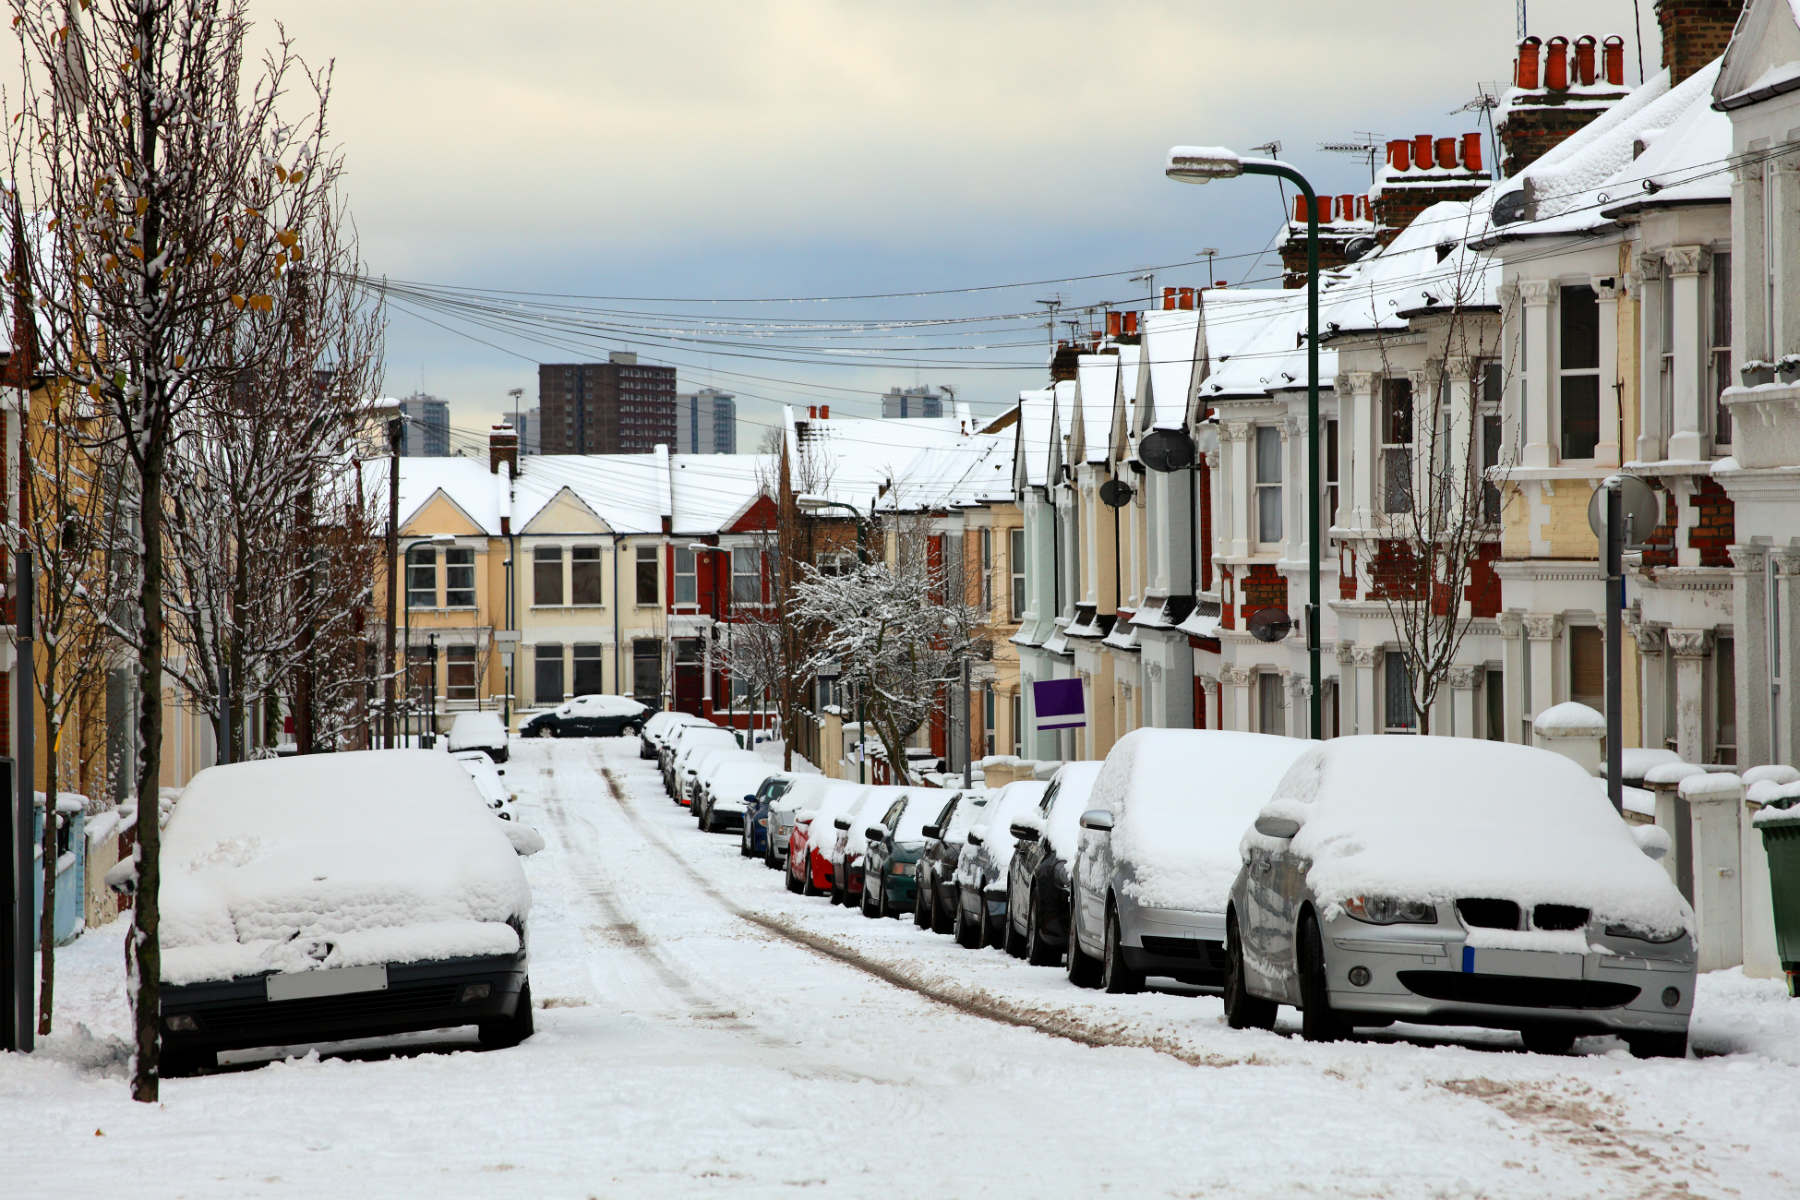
[702, 1031]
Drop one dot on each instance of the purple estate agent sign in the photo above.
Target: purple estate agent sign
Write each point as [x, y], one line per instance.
[1059, 704]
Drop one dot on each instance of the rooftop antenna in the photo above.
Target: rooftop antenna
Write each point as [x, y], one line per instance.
[1148, 279]
[1211, 252]
[1487, 99]
[1365, 145]
[1272, 149]
[1521, 36]
[1050, 307]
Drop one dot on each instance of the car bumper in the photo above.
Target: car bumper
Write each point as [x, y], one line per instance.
[1415, 977]
[236, 1014]
[1185, 944]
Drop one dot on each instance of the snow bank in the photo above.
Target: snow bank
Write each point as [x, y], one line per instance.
[1637, 761]
[1441, 818]
[1672, 772]
[1570, 719]
[1181, 800]
[334, 860]
[1776, 773]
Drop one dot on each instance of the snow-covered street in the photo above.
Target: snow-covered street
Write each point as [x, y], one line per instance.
[702, 1031]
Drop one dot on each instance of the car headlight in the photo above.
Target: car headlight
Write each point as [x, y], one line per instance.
[1638, 934]
[1389, 910]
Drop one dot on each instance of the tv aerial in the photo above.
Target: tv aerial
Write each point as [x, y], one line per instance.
[1366, 144]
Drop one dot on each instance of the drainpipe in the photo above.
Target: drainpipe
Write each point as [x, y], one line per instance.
[618, 681]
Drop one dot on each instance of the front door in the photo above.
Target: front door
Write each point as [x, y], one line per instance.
[690, 683]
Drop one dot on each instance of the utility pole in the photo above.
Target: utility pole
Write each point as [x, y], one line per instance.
[968, 725]
[20, 1026]
[430, 738]
[396, 431]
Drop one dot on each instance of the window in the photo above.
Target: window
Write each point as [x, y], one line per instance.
[1495, 687]
[1396, 445]
[1578, 375]
[590, 657]
[459, 577]
[746, 575]
[1719, 358]
[1018, 723]
[459, 673]
[648, 594]
[987, 715]
[1398, 715]
[547, 577]
[1269, 704]
[646, 672]
[1015, 564]
[1268, 484]
[547, 677]
[687, 586]
[1587, 666]
[421, 577]
[1665, 331]
[987, 571]
[1725, 700]
[585, 585]
[1330, 499]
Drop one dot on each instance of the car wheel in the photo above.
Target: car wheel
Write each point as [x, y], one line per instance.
[1037, 952]
[793, 885]
[1658, 1045]
[744, 850]
[1083, 971]
[769, 859]
[864, 903]
[1115, 976]
[1242, 1010]
[1547, 1039]
[968, 933]
[1012, 941]
[921, 915]
[941, 921]
[502, 1032]
[177, 1060]
[807, 887]
[1317, 1022]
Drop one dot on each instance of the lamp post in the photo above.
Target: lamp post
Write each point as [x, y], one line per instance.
[431, 539]
[430, 738]
[1203, 164]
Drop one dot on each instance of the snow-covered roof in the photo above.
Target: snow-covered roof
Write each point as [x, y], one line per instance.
[1763, 59]
[1031, 445]
[853, 460]
[1171, 343]
[972, 470]
[1256, 344]
[1096, 388]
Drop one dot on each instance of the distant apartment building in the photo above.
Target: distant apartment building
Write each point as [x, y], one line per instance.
[706, 422]
[529, 424]
[620, 406]
[912, 402]
[427, 426]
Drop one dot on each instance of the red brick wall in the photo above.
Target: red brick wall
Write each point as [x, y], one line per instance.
[1262, 587]
[1694, 32]
[1206, 526]
[1715, 524]
[1483, 591]
[1390, 570]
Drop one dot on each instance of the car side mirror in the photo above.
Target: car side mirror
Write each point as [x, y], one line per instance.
[1098, 820]
[750, 799]
[842, 822]
[1653, 840]
[975, 839]
[876, 833]
[525, 840]
[1273, 826]
[933, 831]
[1024, 831]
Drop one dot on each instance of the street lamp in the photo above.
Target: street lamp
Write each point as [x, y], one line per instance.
[431, 539]
[1203, 164]
[699, 548]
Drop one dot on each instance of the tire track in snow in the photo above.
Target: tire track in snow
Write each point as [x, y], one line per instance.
[974, 1002]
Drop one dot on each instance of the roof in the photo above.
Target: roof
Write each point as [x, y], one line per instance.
[1031, 447]
[1763, 59]
[1171, 339]
[1096, 388]
[852, 460]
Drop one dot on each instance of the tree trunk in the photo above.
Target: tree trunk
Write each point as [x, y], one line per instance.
[47, 926]
[147, 960]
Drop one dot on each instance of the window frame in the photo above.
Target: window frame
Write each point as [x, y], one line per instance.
[690, 576]
[746, 586]
[1567, 376]
[462, 660]
[542, 659]
[1262, 489]
[1015, 565]
[457, 560]
[1718, 347]
[582, 560]
[544, 558]
[421, 558]
[1393, 667]
[647, 556]
[1588, 636]
[986, 544]
[1396, 452]
[584, 656]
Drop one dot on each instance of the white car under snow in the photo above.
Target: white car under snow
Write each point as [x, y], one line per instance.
[339, 896]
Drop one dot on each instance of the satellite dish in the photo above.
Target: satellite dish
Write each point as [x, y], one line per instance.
[1166, 450]
[1116, 493]
[1270, 624]
[1509, 208]
[1357, 247]
[1637, 500]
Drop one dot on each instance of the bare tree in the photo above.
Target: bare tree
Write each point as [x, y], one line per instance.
[164, 167]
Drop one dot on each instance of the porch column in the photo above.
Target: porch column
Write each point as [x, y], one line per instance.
[1540, 634]
[1787, 625]
[1357, 448]
[1686, 434]
[1363, 658]
[1463, 681]
[1653, 422]
[1534, 393]
[1652, 703]
[1512, 674]
[1299, 704]
[1750, 635]
[1235, 686]
[1690, 646]
[1234, 486]
[1606, 451]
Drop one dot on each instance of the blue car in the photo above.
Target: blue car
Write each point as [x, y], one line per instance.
[753, 839]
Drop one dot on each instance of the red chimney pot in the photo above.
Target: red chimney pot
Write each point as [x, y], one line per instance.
[1131, 324]
[1613, 53]
[1400, 154]
[1525, 70]
[1446, 153]
[1556, 64]
[1187, 297]
[1584, 59]
[1168, 299]
[1471, 152]
[824, 412]
[1114, 323]
[1422, 150]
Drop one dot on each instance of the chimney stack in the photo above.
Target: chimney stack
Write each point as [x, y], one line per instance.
[503, 447]
[1694, 32]
[1537, 115]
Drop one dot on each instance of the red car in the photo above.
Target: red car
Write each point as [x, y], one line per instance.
[808, 870]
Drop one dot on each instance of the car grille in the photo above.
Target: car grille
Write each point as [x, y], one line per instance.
[1211, 953]
[1488, 914]
[276, 1016]
[1559, 917]
[1518, 991]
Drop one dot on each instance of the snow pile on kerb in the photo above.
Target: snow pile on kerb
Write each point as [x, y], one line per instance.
[367, 857]
[1438, 818]
[1180, 801]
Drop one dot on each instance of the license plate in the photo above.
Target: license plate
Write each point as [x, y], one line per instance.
[1538, 964]
[338, 981]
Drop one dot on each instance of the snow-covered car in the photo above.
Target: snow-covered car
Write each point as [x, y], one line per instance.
[589, 716]
[695, 741]
[657, 726]
[481, 731]
[846, 849]
[1461, 882]
[487, 776]
[806, 792]
[980, 915]
[700, 766]
[753, 832]
[337, 896]
[729, 787]
[808, 861]
[892, 845]
[1037, 881]
[946, 837]
[1158, 851]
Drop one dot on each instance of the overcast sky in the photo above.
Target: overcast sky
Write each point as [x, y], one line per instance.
[781, 148]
